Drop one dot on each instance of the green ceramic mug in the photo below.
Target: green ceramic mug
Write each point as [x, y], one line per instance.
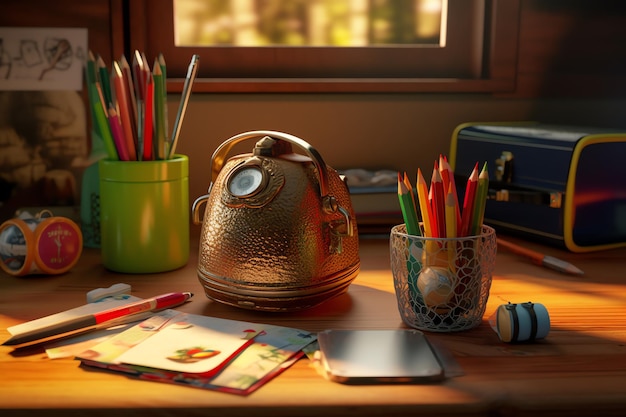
[144, 214]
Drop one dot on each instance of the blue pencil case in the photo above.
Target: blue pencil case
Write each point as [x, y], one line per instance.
[564, 185]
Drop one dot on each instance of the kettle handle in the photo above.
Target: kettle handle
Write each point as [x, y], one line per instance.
[219, 156]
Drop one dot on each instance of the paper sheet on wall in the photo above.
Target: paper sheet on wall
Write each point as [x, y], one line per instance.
[42, 58]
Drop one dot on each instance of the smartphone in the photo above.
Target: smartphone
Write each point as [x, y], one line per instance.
[378, 356]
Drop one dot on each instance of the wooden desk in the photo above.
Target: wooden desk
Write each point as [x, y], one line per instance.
[579, 369]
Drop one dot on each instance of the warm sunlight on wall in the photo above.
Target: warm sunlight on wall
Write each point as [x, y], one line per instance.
[349, 23]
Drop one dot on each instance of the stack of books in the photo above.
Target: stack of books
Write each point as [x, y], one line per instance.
[374, 196]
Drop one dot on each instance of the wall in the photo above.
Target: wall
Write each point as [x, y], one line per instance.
[402, 132]
[571, 69]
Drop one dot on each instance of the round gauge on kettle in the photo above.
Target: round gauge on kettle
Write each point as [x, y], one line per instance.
[248, 180]
[252, 183]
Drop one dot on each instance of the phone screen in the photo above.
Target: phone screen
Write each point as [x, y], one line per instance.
[379, 356]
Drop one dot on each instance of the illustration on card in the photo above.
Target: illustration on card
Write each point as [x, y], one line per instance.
[193, 354]
[193, 344]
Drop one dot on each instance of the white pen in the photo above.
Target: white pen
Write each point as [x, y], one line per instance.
[182, 108]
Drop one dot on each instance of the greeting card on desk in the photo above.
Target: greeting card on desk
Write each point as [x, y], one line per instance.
[189, 344]
[271, 352]
[105, 354]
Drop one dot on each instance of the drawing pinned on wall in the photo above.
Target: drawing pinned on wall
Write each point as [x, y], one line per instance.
[5, 62]
[42, 58]
[44, 144]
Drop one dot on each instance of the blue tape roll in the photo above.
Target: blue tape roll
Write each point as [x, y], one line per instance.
[523, 322]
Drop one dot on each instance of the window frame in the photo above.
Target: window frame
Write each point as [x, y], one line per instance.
[491, 68]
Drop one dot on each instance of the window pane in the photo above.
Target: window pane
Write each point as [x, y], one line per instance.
[469, 46]
[334, 23]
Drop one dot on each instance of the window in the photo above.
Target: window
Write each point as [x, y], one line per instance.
[472, 48]
[338, 23]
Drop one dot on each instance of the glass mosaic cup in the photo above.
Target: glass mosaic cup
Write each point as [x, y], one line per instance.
[442, 284]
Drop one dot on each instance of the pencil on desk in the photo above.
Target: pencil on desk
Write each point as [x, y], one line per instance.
[541, 259]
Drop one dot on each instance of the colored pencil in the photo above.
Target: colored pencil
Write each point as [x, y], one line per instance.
[130, 94]
[450, 210]
[451, 232]
[90, 69]
[437, 203]
[118, 134]
[160, 130]
[100, 97]
[407, 207]
[447, 175]
[148, 126]
[102, 123]
[478, 215]
[139, 88]
[137, 128]
[424, 205]
[139, 81]
[124, 110]
[409, 187]
[468, 202]
[105, 83]
[163, 66]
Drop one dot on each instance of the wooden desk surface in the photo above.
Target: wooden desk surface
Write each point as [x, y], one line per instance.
[579, 369]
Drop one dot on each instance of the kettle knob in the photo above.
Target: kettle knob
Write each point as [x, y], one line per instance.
[219, 157]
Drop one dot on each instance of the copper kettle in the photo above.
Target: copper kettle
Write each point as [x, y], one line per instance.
[278, 231]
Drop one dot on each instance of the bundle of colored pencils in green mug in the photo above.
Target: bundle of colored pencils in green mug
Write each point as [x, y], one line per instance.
[129, 106]
[437, 208]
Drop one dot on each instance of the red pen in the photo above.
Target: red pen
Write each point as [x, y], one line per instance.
[99, 319]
